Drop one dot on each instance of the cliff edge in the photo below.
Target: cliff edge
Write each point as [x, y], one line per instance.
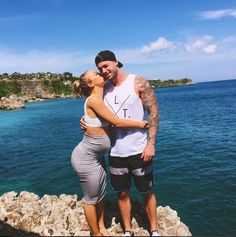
[26, 214]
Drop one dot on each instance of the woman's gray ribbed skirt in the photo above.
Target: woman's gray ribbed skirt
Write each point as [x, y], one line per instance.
[88, 161]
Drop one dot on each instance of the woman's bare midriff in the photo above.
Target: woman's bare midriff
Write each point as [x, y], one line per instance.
[96, 131]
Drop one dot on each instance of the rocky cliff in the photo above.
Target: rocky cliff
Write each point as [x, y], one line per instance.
[31, 91]
[26, 214]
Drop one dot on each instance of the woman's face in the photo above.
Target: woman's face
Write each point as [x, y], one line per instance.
[95, 78]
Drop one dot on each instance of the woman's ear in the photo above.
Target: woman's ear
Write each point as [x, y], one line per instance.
[90, 83]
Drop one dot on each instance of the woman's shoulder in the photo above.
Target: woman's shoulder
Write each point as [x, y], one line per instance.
[91, 100]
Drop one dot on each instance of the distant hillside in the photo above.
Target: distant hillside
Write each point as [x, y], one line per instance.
[170, 82]
[50, 85]
[39, 85]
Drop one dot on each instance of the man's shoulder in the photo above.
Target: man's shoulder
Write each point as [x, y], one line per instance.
[137, 78]
[141, 82]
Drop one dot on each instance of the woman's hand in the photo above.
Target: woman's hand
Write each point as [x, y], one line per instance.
[144, 124]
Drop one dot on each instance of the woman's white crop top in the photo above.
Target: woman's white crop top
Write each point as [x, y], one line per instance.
[94, 122]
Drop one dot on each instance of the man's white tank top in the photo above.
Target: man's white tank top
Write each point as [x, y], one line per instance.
[123, 101]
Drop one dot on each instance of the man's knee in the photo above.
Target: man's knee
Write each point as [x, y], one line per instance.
[123, 195]
[149, 196]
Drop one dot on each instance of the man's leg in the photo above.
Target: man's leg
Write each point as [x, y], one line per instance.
[121, 182]
[151, 209]
[124, 204]
[143, 178]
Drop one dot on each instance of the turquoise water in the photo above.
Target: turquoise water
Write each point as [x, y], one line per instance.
[195, 166]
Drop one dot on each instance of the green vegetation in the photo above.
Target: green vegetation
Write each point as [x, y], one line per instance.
[46, 83]
[66, 76]
[57, 87]
[52, 83]
[170, 82]
[58, 84]
[7, 88]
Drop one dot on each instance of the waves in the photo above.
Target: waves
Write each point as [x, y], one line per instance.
[194, 167]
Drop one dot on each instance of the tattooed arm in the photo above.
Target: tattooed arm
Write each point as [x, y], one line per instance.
[149, 101]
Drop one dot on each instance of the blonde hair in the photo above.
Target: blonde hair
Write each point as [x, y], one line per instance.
[81, 87]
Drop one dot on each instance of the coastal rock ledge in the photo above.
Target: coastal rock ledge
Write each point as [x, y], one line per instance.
[26, 214]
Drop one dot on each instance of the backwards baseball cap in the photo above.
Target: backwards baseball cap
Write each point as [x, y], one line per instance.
[106, 55]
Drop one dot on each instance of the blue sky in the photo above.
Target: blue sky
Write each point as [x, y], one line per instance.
[158, 39]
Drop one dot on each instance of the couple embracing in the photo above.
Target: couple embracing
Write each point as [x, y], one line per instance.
[113, 121]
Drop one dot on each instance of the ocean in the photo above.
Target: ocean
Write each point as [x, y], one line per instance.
[194, 167]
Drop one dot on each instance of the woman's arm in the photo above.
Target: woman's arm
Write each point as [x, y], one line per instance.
[102, 111]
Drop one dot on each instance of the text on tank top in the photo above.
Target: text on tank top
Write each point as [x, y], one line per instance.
[123, 101]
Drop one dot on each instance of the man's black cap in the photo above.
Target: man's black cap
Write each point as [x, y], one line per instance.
[106, 55]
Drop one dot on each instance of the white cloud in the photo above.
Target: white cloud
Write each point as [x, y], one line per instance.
[160, 44]
[164, 46]
[201, 44]
[40, 61]
[166, 64]
[217, 55]
[210, 49]
[211, 15]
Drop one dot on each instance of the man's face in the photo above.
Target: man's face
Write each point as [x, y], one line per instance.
[108, 69]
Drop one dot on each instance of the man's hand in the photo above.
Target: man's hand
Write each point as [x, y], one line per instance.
[83, 125]
[148, 152]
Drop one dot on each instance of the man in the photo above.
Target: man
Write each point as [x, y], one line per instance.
[132, 150]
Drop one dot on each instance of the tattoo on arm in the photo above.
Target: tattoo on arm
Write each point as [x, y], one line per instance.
[150, 104]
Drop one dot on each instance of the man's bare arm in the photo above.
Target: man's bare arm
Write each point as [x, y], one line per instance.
[150, 104]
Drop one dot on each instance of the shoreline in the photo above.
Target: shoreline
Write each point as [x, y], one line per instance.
[63, 215]
[38, 90]
[14, 102]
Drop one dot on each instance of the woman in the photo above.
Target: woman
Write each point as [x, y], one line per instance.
[88, 156]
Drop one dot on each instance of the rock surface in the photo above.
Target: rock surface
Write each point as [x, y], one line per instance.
[18, 102]
[12, 102]
[26, 214]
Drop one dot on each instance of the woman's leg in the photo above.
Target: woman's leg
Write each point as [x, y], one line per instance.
[91, 216]
[100, 216]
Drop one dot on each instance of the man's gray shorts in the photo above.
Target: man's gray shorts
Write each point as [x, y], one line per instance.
[123, 169]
